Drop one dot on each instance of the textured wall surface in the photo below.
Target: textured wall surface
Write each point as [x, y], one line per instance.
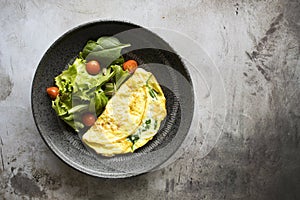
[254, 44]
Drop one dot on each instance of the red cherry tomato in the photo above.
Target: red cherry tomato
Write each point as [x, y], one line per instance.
[92, 67]
[53, 92]
[130, 65]
[88, 119]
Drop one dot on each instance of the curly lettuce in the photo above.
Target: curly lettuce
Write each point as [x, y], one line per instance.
[80, 92]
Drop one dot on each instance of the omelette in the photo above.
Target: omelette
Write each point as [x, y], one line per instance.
[131, 117]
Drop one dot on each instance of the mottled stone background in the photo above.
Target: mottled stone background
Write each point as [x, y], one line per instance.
[255, 45]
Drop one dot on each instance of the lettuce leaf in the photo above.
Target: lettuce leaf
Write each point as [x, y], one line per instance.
[119, 78]
[81, 92]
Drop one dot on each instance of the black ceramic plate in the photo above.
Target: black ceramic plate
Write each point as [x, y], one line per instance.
[155, 55]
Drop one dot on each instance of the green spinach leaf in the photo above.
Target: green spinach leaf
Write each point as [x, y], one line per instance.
[105, 50]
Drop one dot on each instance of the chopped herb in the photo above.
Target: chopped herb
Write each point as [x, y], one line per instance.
[145, 128]
[133, 138]
[146, 125]
[155, 124]
[152, 92]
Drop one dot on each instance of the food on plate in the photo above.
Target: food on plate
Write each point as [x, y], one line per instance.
[81, 92]
[85, 87]
[130, 65]
[92, 67]
[118, 105]
[131, 117]
[53, 92]
[88, 119]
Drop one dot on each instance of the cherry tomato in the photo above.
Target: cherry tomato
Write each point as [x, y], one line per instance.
[130, 65]
[88, 119]
[92, 67]
[53, 92]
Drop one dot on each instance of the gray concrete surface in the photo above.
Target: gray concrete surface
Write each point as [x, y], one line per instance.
[254, 44]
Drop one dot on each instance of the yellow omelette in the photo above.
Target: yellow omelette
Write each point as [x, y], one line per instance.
[131, 117]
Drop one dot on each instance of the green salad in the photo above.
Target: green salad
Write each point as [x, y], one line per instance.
[84, 88]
